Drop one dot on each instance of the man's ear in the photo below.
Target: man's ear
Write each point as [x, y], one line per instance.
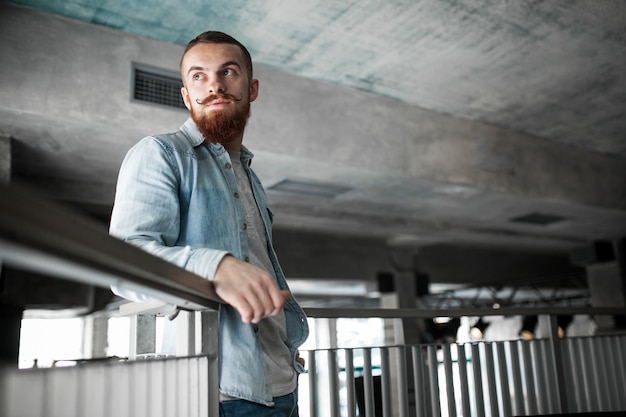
[186, 99]
[254, 89]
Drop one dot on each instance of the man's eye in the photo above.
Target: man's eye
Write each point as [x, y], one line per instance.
[228, 71]
[197, 77]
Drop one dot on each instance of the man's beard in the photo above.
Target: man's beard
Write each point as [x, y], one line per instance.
[221, 126]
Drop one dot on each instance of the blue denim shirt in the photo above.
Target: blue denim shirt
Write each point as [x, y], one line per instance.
[176, 198]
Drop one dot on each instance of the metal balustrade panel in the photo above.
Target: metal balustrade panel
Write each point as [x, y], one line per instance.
[419, 379]
[449, 379]
[503, 378]
[478, 380]
[93, 397]
[618, 344]
[385, 382]
[433, 379]
[592, 365]
[350, 389]
[368, 382]
[589, 394]
[312, 374]
[569, 372]
[516, 375]
[610, 377]
[130, 389]
[492, 388]
[333, 379]
[464, 380]
[179, 386]
[402, 382]
[539, 378]
[529, 377]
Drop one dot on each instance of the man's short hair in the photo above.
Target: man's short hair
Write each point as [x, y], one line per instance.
[220, 37]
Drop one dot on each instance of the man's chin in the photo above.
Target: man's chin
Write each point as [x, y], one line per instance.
[220, 126]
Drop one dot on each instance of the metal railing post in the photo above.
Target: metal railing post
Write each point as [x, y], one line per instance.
[207, 344]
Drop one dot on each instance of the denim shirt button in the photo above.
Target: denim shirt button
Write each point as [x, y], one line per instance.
[247, 259]
[228, 165]
[244, 226]
[236, 195]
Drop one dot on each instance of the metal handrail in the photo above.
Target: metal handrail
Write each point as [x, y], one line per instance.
[46, 237]
[403, 313]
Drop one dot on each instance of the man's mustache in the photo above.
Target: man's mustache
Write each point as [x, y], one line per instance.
[212, 97]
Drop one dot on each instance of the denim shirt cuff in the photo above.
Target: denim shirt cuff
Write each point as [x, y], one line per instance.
[204, 262]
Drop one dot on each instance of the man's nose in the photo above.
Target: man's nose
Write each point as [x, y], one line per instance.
[216, 85]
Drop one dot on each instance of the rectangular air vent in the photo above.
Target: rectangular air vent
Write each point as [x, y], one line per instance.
[539, 219]
[308, 188]
[156, 86]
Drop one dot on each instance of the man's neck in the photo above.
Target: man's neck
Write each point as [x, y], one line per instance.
[234, 146]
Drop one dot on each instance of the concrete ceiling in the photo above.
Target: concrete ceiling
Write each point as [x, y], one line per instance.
[552, 69]
[447, 122]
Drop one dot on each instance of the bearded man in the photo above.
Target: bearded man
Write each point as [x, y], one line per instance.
[191, 198]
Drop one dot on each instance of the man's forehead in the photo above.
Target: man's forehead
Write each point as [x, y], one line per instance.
[216, 53]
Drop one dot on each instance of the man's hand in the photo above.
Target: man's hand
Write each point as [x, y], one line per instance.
[300, 359]
[250, 290]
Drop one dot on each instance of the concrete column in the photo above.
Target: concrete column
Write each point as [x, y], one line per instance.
[142, 335]
[402, 294]
[5, 159]
[10, 324]
[95, 336]
[605, 263]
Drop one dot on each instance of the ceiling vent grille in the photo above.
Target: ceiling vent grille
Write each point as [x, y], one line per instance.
[308, 188]
[538, 219]
[157, 86]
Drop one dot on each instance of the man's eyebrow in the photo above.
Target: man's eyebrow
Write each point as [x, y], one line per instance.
[195, 68]
[231, 63]
[224, 65]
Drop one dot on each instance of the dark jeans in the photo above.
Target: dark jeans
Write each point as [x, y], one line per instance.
[285, 406]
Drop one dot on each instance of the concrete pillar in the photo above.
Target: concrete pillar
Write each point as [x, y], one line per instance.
[5, 159]
[402, 292]
[10, 325]
[95, 336]
[142, 336]
[605, 263]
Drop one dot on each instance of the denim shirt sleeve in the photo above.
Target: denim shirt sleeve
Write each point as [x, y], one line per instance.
[146, 211]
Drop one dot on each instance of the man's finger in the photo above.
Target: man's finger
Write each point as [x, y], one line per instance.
[280, 301]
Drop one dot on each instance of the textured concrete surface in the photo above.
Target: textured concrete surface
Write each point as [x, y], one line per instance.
[553, 69]
[440, 146]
